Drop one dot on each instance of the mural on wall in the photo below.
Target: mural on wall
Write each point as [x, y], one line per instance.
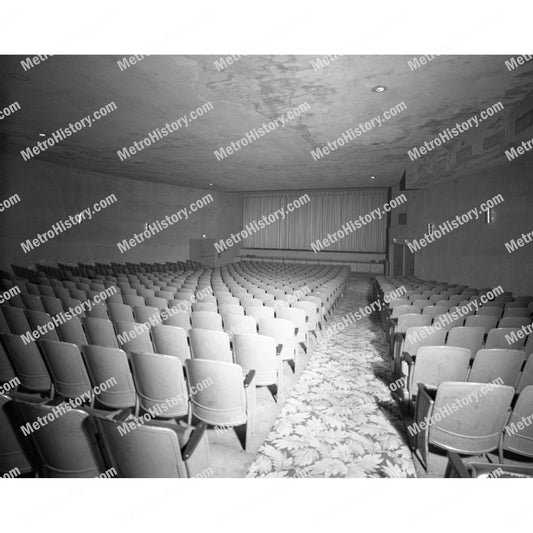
[499, 140]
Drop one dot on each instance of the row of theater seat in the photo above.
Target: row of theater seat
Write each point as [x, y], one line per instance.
[436, 365]
[155, 365]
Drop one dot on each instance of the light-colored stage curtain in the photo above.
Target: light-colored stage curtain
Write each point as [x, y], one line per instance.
[325, 213]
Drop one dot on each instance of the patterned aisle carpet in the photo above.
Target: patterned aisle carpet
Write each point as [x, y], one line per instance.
[340, 420]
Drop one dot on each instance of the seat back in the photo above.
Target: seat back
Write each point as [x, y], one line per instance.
[206, 320]
[178, 318]
[98, 310]
[485, 322]
[490, 311]
[67, 368]
[184, 295]
[226, 298]
[158, 302]
[244, 298]
[419, 336]
[520, 301]
[421, 303]
[171, 340]
[144, 292]
[239, 324]
[411, 320]
[52, 305]
[466, 337]
[32, 301]
[104, 364]
[298, 318]
[207, 298]
[254, 302]
[276, 305]
[120, 312]
[231, 309]
[514, 322]
[38, 318]
[210, 344]
[16, 320]
[504, 338]
[282, 331]
[455, 298]
[476, 426]
[491, 364]
[205, 306]
[159, 381]
[100, 332]
[447, 304]
[72, 331]
[114, 299]
[144, 314]
[259, 313]
[404, 310]
[133, 300]
[78, 294]
[69, 304]
[516, 312]
[257, 352]
[61, 292]
[145, 452]
[27, 362]
[518, 436]
[134, 337]
[66, 445]
[435, 364]
[317, 301]
[312, 313]
[434, 310]
[221, 400]
[7, 372]
[469, 292]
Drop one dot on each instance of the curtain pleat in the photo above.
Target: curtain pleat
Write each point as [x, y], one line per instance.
[324, 214]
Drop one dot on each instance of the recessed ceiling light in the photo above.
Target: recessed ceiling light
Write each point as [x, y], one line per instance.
[379, 88]
[372, 177]
[42, 134]
[203, 235]
[210, 185]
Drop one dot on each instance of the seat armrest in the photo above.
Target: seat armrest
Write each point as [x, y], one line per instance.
[410, 361]
[408, 358]
[249, 378]
[279, 347]
[427, 394]
[193, 441]
[456, 463]
[419, 438]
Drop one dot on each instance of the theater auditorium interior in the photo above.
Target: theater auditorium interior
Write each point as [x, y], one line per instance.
[258, 266]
